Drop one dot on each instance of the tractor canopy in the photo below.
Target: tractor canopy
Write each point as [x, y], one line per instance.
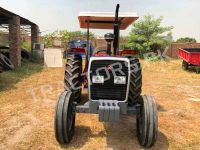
[105, 20]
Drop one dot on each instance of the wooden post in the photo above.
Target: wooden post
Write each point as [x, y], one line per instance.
[14, 41]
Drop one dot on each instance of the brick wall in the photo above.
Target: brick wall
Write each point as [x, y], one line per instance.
[99, 44]
[4, 39]
[172, 51]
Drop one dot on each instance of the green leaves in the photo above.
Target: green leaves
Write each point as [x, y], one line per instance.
[186, 40]
[65, 36]
[49, 39]
[148, 34]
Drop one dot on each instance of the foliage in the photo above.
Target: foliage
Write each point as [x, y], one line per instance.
[49, 39]
[123, 42]
[186, 40]
[3, 41]
[151, 56]
[148, 35]
[65, 36]
[26, 45]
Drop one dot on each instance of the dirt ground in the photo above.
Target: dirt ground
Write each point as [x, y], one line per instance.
[27, 112]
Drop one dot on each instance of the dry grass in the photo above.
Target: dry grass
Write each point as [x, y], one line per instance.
[26, 122]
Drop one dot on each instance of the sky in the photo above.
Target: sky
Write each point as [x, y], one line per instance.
[53, 15]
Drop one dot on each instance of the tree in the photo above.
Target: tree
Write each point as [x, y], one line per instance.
[65, 36]
[148, 35]
[49, 39]
[186, 40]
[123, 42]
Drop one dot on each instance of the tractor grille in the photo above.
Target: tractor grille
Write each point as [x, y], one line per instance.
[108, 90]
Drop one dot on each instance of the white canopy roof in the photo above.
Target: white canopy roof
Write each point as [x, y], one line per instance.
[105, 20]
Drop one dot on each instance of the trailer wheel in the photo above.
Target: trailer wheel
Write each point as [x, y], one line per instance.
[135, 88]
[64, 123]
[147, 121]
[185, 65]
[197, 70]
[73, 78]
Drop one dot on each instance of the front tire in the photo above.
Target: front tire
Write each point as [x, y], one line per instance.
[65, 118]
[147, 121]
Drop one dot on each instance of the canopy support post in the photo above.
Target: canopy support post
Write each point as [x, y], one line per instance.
[116, 31]
[88, 39]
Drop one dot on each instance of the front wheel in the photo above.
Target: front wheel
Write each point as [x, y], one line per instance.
[65, 118]
[147, 121]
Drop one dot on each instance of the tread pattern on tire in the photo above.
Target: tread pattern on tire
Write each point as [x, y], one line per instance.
[72, 79]
[135, 88]
[63, 135]
[150, 122]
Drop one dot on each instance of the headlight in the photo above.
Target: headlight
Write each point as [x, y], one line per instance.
[97, 79]
[119, 80]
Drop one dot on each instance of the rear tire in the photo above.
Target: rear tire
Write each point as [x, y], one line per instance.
[185, 65]
[135, 88]
[73, 78]
[147, 121]
[64, 122]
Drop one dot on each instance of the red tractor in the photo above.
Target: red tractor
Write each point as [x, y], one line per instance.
[114, 83]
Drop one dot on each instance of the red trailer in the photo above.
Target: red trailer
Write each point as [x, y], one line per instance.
[191, 57]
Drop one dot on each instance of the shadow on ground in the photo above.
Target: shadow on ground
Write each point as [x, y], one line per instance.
[160, 108]
[118, 135]
[10, 78]
[123, 135]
